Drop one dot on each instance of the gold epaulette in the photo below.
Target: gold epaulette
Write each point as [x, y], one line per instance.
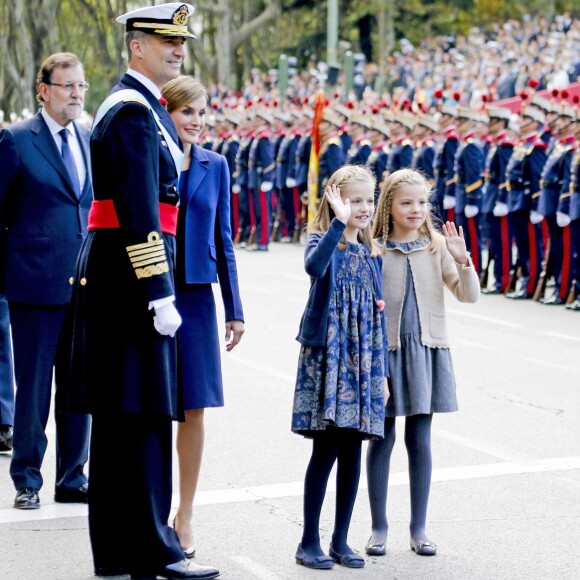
[406, 142]
[366, 142]
[470, 188]
[386, 149]
[135, 100]
[334, 141]
[149, 258]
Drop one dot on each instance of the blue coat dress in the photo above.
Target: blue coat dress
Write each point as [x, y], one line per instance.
[205, 254]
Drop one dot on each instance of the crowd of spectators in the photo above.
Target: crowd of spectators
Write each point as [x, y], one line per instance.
[493, 63]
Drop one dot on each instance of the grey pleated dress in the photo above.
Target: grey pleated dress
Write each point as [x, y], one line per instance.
[422, 378]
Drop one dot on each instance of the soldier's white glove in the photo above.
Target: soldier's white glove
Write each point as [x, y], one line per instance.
[166, 320]
[562, 219]
[448, 202]
[266, 186]
[236, 188]
[471, 211]
[290, 182]
[535, 217]
[500, 209]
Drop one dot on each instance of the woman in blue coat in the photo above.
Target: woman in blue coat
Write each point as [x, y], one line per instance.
[205, 254]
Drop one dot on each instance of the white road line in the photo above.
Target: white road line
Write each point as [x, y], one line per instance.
[469, 343]
[262, 368]
[501, 453]
[254, 569]
[296, 488]
[552, 365]
[491, 319]
[564, 336]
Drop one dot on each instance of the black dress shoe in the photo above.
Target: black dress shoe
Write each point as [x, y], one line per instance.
[80, 495]
[6, 437]
[27, 499]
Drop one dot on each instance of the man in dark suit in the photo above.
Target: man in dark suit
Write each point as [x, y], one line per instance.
[6, 382]
[123, 363]
[45, 195]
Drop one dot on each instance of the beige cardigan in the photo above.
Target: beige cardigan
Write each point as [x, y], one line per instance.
[430, 272]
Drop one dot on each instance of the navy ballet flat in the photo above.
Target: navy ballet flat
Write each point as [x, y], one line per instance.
[423, 548]
[317, 562]
[351, 560]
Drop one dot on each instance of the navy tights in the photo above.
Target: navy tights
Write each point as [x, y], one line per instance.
[418, 443]
[328, 447]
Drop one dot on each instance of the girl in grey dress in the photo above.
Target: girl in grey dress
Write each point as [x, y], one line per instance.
[417, 263]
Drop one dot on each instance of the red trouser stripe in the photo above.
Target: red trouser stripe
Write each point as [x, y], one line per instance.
[533, 243]
[297, 205]
[252, 211]
[474, 243]
[265, 229]
[545, 236]
[451, 215]
[236, 212]
[566, 263]
[505, 252]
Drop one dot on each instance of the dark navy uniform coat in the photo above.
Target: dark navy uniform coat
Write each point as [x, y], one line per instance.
[120, 362]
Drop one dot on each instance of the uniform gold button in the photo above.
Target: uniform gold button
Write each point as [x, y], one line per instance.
[83, 281]
[71, 280]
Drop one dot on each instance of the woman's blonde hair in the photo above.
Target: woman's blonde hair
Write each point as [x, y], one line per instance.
[182, 91]
[383, 218]
[342, 178]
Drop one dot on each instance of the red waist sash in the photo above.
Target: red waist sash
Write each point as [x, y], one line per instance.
[103, 215]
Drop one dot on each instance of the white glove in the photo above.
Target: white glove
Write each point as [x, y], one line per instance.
[290, 182]
[535, 217]
[266, 186]
[562, 219]
[167, 320]
[448, 202]
[471, 211]
[500, 209]
[236, 188]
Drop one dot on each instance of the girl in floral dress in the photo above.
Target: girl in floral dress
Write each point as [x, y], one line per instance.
[339, 397]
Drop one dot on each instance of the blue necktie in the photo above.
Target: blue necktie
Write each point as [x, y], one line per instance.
[69, 162]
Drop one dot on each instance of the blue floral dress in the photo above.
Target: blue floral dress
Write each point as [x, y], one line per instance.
[342, 384]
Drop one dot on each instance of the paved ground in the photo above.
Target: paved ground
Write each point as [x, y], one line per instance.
[505, 500]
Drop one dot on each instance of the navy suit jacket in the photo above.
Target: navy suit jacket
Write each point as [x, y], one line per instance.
[46, 221]
[205, 252]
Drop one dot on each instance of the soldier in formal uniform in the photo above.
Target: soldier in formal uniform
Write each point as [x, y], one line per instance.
[261, 175]
[425, 142]
[444, 164]
[494, 207]
[289, 198]
[551, 120]
[240, 182]
[401, 146]
[377, 161]
[469, 162]
[302, 161]
[344, 111]
[569, 218]
[124, 351]
[331, 155]
[554, 182]
[230, 149]
[358, 126]
[523, 184]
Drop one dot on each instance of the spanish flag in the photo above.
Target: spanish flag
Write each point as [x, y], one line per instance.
[313, 163]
